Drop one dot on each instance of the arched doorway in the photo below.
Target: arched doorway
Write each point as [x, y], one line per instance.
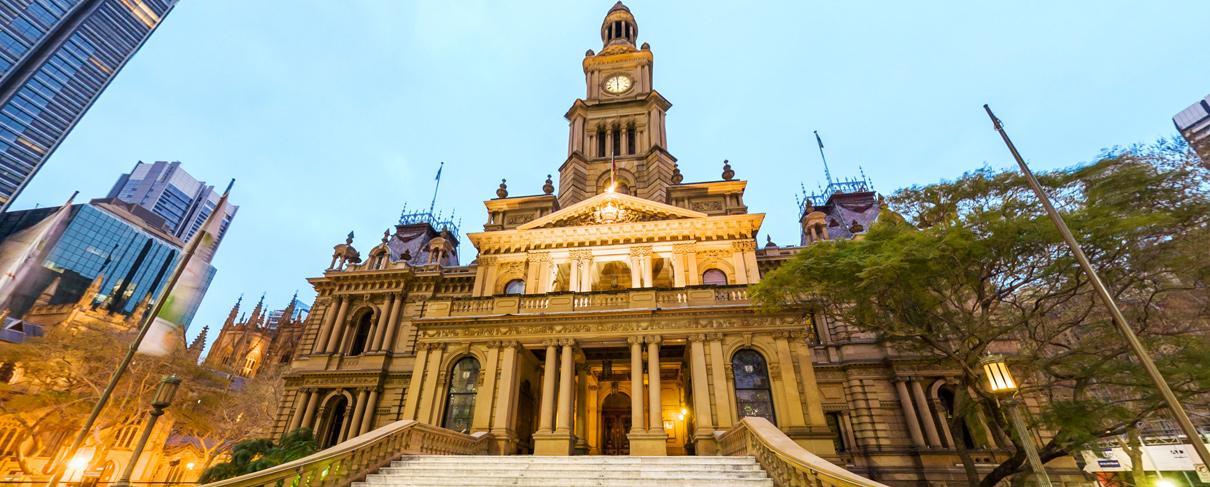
[615, 424]
[753, 395]
[334, 420]
[460, 403]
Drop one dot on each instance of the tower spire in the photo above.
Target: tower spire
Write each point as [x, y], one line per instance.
[234, 312]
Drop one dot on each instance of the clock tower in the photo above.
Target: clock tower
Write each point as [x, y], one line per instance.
[619, 122]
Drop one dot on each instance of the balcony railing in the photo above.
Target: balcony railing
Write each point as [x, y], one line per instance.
[595, 301]
[784, 460]
[347, 462]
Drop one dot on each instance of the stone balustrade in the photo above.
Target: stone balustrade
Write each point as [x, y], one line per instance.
[593, 301]
[787, 463]
[351, 460]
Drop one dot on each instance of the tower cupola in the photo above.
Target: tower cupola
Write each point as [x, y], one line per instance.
[619, 27]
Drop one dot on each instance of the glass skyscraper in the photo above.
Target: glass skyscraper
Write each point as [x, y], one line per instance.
[166, 189]
[103, 237]
[56, 56]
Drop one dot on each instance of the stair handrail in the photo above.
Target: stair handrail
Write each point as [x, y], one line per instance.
[349, 461]
[787, 463]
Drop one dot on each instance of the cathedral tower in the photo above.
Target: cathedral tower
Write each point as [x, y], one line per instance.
[620, 121]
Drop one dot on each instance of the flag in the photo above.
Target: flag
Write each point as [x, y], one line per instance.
[818, 140]
[167, 331]
[19, 254]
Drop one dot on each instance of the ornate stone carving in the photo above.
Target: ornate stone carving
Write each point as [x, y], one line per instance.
[697, 337]
[640, 251]
[744, 245]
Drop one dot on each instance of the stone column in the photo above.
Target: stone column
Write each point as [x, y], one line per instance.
[718, 371]
[573, 278]
[388, 342]
[380, 328]
[546, 412]
[655, 420]
[412, 401]
[337, 327]
[586, 274]
[806, 368]
[566, 387]
[581, 420]
[321, 338]
[702, 438]
[367, 420]
[943, 420]
[308, 420]
[791, 400]
[909, 412]
[636, 272]
[926, 414]
[678, 266]
[428, 392]
[502, 426]
[300, 401]
[645, 263]
[358, 411]
[637, 425]
[481, 419]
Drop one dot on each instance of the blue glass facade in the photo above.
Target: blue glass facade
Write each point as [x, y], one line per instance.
[56, 56]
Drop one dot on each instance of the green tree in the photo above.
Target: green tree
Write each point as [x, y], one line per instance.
[973, 266]
[255, 455]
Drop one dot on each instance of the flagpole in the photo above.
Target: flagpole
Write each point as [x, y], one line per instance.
[435, 186]
[827, 173]
[148, 319]
[1136, 346]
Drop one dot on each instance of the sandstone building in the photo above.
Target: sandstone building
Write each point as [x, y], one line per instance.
[612, 317]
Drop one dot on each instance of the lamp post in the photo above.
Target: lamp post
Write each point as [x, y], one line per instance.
[161, 401]
[1000, 382]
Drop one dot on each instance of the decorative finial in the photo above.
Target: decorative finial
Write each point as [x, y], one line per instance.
[502, 191]
[589, 53]
[677, 177]
[349, 239]
[728, 174]
[881, 202]
[549, 187]
[386, 234]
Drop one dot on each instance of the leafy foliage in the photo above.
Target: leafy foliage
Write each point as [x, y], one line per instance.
[258, 454]
[973, 266]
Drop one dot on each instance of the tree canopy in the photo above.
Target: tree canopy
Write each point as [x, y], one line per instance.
[967, 267]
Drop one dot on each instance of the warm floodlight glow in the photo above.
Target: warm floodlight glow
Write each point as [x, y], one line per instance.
[77, 463]
[999, 378]
[1164, 483]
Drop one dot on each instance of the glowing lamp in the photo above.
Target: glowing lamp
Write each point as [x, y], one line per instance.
[166, 391]
[999, 378]
[77, 463]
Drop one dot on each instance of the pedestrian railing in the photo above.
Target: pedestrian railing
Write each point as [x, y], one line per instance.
[787, 463]
[351, 460]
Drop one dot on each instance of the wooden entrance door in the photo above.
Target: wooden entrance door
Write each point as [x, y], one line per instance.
[615, 424]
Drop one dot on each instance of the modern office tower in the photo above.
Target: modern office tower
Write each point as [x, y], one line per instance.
[167, 190]
[56, 56]
[1194, 125]
[121, 244]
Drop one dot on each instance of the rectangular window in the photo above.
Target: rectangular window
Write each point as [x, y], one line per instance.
[630, 140]
[12, 45]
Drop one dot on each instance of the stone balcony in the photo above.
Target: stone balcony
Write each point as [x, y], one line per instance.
[566, 302]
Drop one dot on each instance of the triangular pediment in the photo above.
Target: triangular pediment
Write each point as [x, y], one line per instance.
[611, 208]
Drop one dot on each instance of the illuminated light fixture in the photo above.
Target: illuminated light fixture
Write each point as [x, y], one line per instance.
[77, 463]
[999, 378]
[190, 466]
[669, 425]
[1164, 483]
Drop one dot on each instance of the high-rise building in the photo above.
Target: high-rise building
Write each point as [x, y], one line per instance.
[56, 56]
[120, 244]
[1194, 125]
[169, 191]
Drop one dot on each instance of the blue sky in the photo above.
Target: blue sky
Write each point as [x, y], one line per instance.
[332, 115]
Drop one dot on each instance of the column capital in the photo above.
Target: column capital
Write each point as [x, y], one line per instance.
[684, 248]
[640, 251]
[697, 337]
[714, 337]
[550, 342]
[652, 339]
[634, 340]
[567, 342]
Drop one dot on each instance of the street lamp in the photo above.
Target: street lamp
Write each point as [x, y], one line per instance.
[1000, 383]
[160, 402]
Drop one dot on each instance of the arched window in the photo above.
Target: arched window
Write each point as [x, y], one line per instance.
[361, 335]
[334, 422]
[515, 286]
[460, 403]
[714, 277]
[752, 394]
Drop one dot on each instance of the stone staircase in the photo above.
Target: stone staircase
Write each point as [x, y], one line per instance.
[605, 471]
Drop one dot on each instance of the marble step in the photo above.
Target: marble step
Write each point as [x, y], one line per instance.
[555, 482]
[576, 460]
[554, 467]
[477, 472]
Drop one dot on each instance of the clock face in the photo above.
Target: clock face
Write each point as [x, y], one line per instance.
[617, 84]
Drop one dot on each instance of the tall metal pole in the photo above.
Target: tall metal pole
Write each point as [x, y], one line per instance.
[1027, 442]
[1136, 346]
[144, 327]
